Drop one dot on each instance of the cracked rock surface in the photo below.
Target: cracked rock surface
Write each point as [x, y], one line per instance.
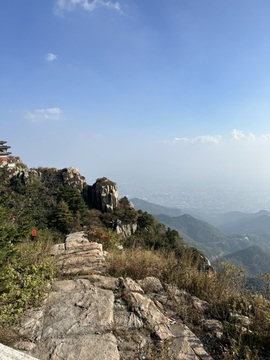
[94, 316]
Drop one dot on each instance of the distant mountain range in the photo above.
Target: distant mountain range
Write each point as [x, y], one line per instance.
[253, 260]
[154, 209]
[197, 233]
[257, 223]
[237, 237]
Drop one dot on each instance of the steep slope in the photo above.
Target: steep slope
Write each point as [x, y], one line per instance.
[253, 260]
[197, 233]
[154, 209]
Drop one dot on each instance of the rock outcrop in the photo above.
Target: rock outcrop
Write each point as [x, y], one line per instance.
[48, 176]
[103, 195]
[126, 230]
[78, 256]
[90, 315]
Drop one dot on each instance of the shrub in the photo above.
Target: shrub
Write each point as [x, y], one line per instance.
[25, 279]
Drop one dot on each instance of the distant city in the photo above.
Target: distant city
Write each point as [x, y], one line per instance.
[211, 200]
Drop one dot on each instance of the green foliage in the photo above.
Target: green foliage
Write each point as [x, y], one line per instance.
[123, 214]
[153, 235]
[24, 277]
[104, 181]
[73, 198]
[9, 236]
[145, 220]
[62, 217]
[43, 201]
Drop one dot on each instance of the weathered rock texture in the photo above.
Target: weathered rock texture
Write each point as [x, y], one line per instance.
[103, 195]
[126, 230]
[78, 256]
[88, 315]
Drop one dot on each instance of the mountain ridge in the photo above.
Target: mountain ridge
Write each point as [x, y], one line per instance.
[222, 243]
[254, 260]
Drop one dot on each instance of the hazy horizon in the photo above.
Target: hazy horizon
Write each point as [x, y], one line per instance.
[156, 94]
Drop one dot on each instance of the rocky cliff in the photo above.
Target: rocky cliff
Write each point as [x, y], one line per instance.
[90, 315]
[102, 195]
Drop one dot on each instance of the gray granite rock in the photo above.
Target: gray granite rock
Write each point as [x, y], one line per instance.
[90, 315]
[7, 353]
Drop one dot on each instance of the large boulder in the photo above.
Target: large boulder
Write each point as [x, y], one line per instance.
[103, 195]
[78, 255]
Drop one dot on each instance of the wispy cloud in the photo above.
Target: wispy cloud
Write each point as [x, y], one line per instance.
[70, 5]
[39, 115]
[236, 135]
[204, 139]
[241, 136]
[50, 57]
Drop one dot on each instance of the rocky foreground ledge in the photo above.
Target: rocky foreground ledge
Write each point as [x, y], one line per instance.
[88, 315]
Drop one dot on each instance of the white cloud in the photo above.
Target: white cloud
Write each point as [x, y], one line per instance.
[237, 159]
[69, 5]
[237, 135]
[39, 115]
[240, 135]
[204, 139]
[50, 57]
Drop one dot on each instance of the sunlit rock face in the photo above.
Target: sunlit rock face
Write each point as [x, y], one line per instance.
[103, 195]
[72, 177]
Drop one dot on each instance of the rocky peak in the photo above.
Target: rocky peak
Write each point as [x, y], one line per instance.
[103, 194]
[72, 177]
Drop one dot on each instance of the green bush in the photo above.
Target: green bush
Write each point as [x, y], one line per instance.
[24, 279]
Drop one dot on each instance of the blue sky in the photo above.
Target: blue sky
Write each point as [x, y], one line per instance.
[148, 91]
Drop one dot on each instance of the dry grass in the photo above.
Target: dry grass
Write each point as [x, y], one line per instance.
[220, 290]
[8, 336]
[139, 264]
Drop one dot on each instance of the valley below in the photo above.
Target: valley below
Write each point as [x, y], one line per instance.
[240, 238]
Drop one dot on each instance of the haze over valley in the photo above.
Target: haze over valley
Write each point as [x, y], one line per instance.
[208, 200]
[240, 238]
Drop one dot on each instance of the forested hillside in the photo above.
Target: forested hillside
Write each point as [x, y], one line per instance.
[54, 203]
